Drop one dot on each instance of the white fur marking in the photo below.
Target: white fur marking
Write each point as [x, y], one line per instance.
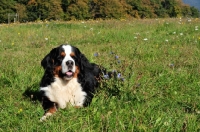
[68, 51]
[64, 92]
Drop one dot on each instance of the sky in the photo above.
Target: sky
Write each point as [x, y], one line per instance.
[195, 3]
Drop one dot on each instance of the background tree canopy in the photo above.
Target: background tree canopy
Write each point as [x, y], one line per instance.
[31, 10]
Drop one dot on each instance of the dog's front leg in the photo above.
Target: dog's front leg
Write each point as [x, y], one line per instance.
[49, 107]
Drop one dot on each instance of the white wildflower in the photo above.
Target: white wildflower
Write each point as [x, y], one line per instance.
[166, 123]
[196, 28]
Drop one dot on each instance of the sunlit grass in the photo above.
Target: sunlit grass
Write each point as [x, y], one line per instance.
[158, 61]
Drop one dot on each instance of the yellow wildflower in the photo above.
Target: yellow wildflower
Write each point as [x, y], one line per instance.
[20, 110]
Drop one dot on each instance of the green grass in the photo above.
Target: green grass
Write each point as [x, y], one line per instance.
[159, 59]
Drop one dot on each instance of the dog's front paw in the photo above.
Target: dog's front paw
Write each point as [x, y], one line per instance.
[43, 118]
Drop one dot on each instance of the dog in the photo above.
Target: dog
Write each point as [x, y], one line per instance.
[69, 79]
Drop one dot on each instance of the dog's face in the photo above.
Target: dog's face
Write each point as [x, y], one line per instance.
[68, 68]
[63, 61]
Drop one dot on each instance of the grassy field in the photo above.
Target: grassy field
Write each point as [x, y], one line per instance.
[159, 62]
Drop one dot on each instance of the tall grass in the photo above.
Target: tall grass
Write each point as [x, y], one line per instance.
[158, 89]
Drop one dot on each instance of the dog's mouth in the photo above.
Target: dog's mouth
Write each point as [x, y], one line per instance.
[69, 74]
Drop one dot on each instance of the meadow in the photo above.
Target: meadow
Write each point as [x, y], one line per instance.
[158, 88]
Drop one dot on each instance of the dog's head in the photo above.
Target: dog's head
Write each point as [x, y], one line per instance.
[65, 61]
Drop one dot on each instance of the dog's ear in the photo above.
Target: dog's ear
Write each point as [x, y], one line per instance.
[48, 60]
[84, 62]
[86, 66]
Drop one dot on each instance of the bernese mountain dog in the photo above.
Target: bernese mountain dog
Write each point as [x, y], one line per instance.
[69, 79]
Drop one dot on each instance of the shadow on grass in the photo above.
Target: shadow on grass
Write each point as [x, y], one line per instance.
[32, 93]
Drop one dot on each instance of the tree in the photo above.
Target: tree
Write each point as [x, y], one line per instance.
[32, 10]
[22, 12]
[24, 2]
[173, 7]
[107, 9]
[55, 11]
[186, 11]
[44, 9]
[194, 11]
[6, 7]
[78, 9]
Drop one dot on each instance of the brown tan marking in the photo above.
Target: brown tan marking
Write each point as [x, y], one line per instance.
[52, 109]
[63, 54]
[77, 71]
[77, 107]
[72, 54]
[56, 70]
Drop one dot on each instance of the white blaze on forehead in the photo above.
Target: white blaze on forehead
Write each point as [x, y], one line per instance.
[68, 51]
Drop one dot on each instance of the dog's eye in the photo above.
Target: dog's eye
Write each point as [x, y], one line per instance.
[74, 57]
[60, 57]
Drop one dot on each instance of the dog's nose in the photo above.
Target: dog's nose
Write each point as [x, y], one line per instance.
[69, 63]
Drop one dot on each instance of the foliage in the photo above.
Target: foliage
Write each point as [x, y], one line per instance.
[78, 10]
[194, 12]
[44, 9]
[6, 7]
[107, 9]
[31, 10]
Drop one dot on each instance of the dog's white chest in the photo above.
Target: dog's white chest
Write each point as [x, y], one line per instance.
[64, 93]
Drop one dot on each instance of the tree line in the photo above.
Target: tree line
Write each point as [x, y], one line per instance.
[32, 10]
